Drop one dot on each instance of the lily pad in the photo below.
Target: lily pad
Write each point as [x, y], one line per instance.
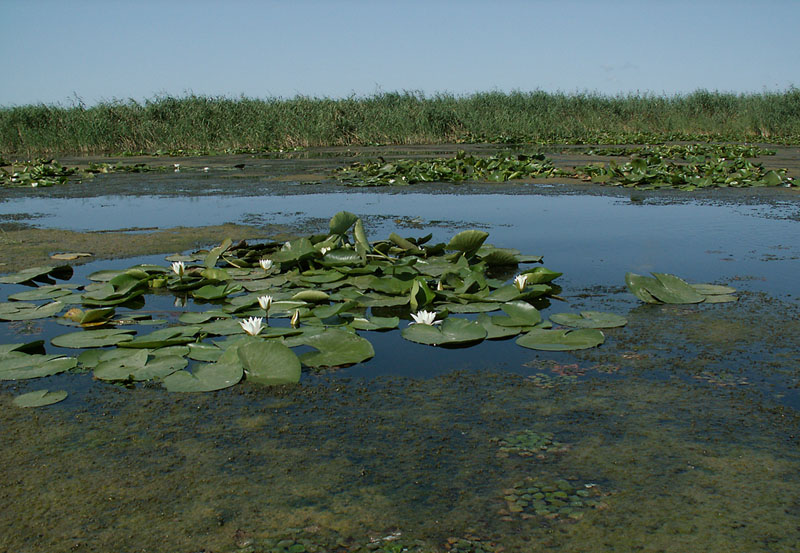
[495, 332]
[44, 292]
[20, 366]
[665, 288]
[18, 311]
[375, 323]
[40, 398]
[452, 331]
[589, 319]
[336, 348]
[269, 363]
[207, 377]
[136, 367]
[93, 338]
[561, 340]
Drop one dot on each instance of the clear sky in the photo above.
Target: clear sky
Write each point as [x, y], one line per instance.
[55, 51]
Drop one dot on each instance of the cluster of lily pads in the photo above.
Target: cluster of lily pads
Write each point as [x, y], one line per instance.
[693, 152]
[649, 172]
[657, 172]
[528, 443]
[329, 286]
[105, 168]
[556, 499]
[496, 168]
[35, 173]
[50, 172]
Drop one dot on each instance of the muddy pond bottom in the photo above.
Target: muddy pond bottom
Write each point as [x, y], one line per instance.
[467, 461]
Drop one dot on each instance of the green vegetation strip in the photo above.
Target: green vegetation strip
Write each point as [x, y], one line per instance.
[218, 124]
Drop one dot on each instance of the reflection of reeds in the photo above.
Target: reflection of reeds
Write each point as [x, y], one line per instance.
[204, 123]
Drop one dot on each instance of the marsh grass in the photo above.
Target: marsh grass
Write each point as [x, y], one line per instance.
[215, 124]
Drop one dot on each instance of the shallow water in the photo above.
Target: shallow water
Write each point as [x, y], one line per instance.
[682, 429]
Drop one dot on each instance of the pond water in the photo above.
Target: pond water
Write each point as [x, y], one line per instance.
[680, 433]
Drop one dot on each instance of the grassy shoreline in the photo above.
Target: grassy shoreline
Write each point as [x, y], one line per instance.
[207, 124]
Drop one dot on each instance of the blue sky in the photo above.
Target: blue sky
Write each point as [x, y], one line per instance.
[52, 52]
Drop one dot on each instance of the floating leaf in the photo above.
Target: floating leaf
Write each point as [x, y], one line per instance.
[211, 292]
[19, 311]
[269, 363]
[37, 273]
[93, 338]
[336, 348]
[452, 331]
[171, 336]
[589, 319]
[36, 346]
[375, 323]
[39, 398]
[136, 367]
[19, 366]
[44, 292]
[208, 377]
[494, 331]
[665, 288]
[561, 340]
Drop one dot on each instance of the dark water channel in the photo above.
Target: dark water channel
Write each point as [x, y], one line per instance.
[680, 433]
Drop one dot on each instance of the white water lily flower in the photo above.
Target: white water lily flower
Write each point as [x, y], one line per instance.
[266, 264]
[265, 302]
[34, 184]
[424, 318]
[178, 268]
[252, 326]
[177, 167]
[520, 282]
[295, 318]
[324, 250]
[439, 286]
[205, 169]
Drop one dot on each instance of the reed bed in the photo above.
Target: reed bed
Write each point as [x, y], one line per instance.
[217, 124]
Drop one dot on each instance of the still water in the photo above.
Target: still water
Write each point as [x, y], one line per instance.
[680, 433]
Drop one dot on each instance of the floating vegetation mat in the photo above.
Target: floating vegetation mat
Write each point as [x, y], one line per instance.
[691, 152]
[708, 166]
[496, 168]
[656, 172]
[49, 173]
[528, 444]
[557, 499]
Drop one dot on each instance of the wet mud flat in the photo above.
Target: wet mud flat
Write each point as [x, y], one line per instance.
[680, 433]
